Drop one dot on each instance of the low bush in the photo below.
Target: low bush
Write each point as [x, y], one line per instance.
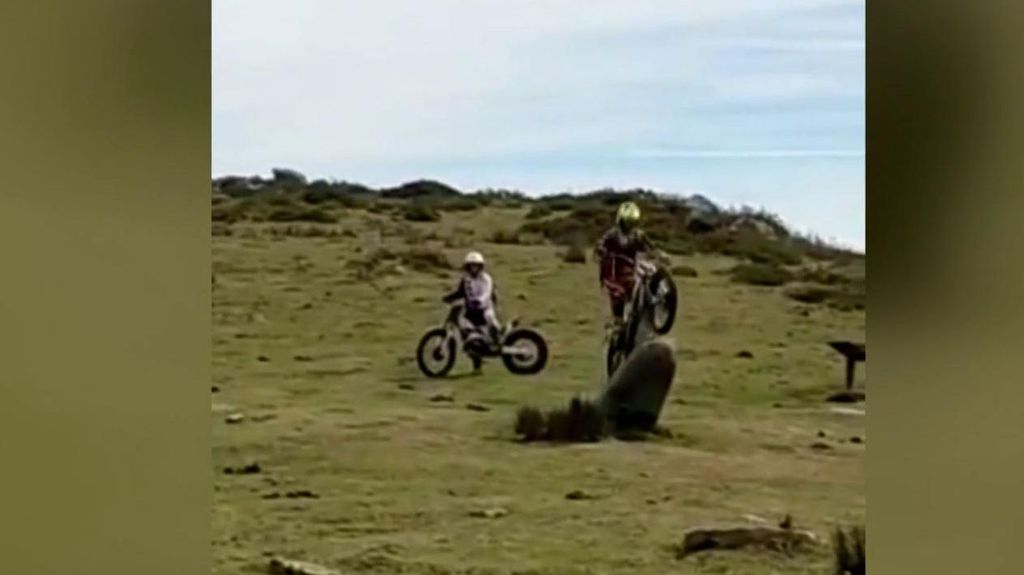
[848, 296]
[760, 274]
[582, 421]
[425, 260]
[586, 224]
[417, 212]
[505, 237]
[460, 204]
[575, 255]
[296, 214]
[684, 271]
[539, 211]
[849, 550]
[809, 293]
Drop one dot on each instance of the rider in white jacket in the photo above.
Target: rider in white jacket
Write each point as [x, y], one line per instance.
[477, 289]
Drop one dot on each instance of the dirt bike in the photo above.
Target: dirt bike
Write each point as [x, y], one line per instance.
[523, 351]
[654, 299]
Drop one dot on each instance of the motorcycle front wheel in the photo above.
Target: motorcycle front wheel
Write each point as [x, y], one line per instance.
[665, 300]
[435, 354]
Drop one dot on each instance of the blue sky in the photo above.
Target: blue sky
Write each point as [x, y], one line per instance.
[747, 102]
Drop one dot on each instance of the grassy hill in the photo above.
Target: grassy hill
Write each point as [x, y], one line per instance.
[367, 467]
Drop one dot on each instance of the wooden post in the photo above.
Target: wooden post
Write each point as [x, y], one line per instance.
[853, 352]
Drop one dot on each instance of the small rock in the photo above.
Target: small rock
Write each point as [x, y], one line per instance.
[441, 397]
[777, 405]
[271, 495]
[477, 407]
[821, 433]
[243, 470]
[821, 446]
[303, 358]
[579, 495]
[521, 296]
[644, 474]
[235, 418]
[301, 494]
[651, 501]
[214, 389]
[744, 354]
[493, 513]
[856, 439]
[306, 305]
[281, 566]
[262, 358]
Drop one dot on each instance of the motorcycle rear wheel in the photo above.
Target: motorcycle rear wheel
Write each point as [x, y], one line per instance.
[525, 364]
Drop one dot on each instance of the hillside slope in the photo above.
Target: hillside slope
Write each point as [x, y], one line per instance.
[314, 332]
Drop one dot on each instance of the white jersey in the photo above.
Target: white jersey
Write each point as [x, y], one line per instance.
[479, 290]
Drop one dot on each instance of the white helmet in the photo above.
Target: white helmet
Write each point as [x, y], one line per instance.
[473, 258]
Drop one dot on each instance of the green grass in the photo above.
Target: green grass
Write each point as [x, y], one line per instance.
[339, 408]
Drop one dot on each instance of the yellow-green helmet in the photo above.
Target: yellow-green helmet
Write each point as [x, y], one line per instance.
[628, 215]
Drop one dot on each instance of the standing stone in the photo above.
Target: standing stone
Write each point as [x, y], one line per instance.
[636, 393]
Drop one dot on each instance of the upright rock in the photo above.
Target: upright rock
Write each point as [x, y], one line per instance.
[636, 393]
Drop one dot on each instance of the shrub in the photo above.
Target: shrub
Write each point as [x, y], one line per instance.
[539, 211]
[220, 229]
[418, 212]
[288, 176]
[684, 271]
[844, 297]
[460, 204]
[760, 274]
[849, 549]
[505, 237]
[425, 260]
[226, 214]
[582, 421]
[809, 293]
[530, 423]
[821, 275]
[421, 188]
[575, 255]
[849, 298]
[584, 225]
[292, 214]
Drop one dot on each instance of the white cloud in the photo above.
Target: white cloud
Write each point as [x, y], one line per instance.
[316, 81]
[745, 154]
[388, 90]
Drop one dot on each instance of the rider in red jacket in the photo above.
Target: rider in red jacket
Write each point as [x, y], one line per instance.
[617, 252]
